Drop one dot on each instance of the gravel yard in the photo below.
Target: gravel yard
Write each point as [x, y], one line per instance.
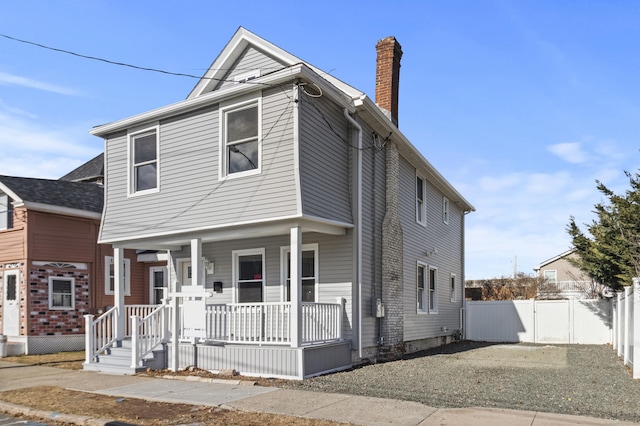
[585, 380]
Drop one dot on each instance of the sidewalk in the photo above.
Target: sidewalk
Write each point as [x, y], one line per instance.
[236, 395]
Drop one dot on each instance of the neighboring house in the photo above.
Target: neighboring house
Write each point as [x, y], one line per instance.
[305, 232]
[52, 271]
[91, 171]
[566, 278]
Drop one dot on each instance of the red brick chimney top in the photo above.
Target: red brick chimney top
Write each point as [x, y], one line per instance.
[388, 76]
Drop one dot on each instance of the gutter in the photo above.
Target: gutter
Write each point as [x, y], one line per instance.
[358, 226]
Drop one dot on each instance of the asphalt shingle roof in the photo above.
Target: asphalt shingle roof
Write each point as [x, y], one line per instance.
[61, 193]
[91, 170]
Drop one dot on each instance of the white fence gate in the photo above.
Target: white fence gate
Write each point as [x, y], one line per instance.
[626, 327]
[539, 321]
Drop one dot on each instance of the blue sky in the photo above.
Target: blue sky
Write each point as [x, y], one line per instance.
[520, 105]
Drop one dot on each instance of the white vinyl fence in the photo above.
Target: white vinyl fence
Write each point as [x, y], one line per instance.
[539, 321]
[626, 326]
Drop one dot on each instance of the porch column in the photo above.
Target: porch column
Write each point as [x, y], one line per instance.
[196, 262]
[296, 286]
[118, 292]
[174, 326]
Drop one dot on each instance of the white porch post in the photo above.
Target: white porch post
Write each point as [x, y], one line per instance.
[175, 316]
[118, 292]
[296, 286]
[196, 262]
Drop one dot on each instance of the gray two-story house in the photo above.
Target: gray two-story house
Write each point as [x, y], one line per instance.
[305, 233]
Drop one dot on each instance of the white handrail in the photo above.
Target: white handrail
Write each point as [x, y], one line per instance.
[147, 334]
[99, 333]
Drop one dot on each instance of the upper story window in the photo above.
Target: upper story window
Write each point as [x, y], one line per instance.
[144, 161]
[6, 212]
[421, 204]
[445, 210]
[240, 138]
[109, 275]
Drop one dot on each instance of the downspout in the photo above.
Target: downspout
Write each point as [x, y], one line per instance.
[358, 225]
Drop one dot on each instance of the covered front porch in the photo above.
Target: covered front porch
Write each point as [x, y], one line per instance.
[198, 324]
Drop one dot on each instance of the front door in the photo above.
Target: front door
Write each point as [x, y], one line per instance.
[11, 304]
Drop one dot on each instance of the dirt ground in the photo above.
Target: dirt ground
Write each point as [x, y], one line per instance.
[130, 410]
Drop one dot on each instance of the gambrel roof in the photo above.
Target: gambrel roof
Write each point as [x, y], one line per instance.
[75, 198]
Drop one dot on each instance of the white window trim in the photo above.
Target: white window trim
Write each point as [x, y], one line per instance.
[284, 251]
[73, 295]
[454, 291]
[226, 107]
[433, 310]
[5, 210]
[131, 135]
[425, 289]
[153, 269]
[235, 254]
[555, 273]
[420, 210]
[445, 210]
[108, 260]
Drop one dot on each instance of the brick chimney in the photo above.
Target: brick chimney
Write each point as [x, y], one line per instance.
[388, 76]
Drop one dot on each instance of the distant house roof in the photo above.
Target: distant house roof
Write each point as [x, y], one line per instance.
[41, 194]
[553, 259]
[91, 171]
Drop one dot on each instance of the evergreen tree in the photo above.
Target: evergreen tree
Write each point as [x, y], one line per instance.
[610, 254]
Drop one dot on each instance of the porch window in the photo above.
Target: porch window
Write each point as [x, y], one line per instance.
[158, 277]
[109, 280]
[6, 212]
[249, 275]
[309, 272]
[421, 209]
[421, 276]
[240, 136]
[144, 161]
[61, 294]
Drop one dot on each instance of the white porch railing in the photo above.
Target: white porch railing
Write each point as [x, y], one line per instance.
[139, 311]
[99, 334]
[270, 323]
[147, 333]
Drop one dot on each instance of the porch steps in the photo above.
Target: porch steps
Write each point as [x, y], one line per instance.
[117, 360]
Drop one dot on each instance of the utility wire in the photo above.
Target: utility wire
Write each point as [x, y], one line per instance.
[122, 64]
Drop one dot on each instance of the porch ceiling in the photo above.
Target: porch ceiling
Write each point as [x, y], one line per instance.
[234, 232]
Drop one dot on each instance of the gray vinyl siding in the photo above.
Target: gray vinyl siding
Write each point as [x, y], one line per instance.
[335, 278]
[191, 195]
[418, 240]
[324, 159]
[373, 211]
[251, 59]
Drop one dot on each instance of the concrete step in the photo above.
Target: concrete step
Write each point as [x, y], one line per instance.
[117, 360]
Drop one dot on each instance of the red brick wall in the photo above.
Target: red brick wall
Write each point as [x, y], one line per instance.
[46, 322]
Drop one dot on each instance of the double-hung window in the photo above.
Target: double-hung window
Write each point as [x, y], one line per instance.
[421, 281]
[551, 277]
[421, 205]
[248, 275]
[309, 272]
[61, 293]
[240, 136]
[144, 161]
[6, 212]
[453, 287]
[445, 210]
[109, 278]
[433, 290]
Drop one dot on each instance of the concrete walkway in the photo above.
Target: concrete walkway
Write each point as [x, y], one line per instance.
[237, 395]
